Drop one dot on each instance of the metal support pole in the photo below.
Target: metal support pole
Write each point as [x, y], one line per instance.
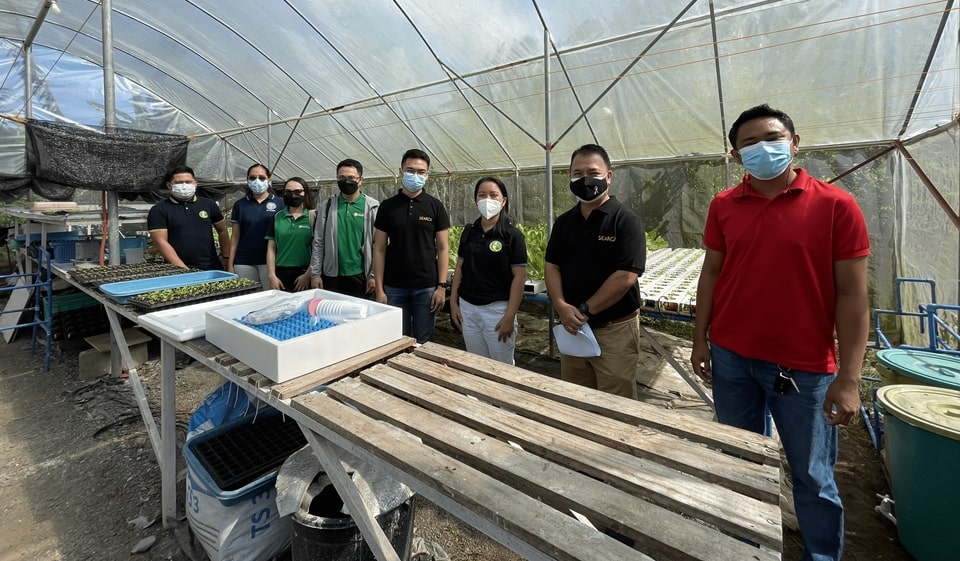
[110, 124]
[548, 162]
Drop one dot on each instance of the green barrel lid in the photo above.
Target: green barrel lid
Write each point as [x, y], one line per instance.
[935, 369]
[936, 410]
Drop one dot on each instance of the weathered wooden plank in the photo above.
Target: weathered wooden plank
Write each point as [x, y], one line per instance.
[735, 441]
[543, 528]
[290, 388]
[204, 347]
[754, 480]
[225, 359]
[686, 494]
[241, 369]
[258, 380]
[658, 532]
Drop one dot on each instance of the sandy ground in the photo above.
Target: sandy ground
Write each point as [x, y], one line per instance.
[79, 480]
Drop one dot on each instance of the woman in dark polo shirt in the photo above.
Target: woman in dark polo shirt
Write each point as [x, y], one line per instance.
[488, 281]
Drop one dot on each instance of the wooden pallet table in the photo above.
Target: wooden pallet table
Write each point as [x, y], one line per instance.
[548, 469]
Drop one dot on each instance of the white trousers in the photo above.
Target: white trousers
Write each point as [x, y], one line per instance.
[257, 273]
[480, 331]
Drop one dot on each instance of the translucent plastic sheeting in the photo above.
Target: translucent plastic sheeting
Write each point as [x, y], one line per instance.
[464, 80]
[660, 83]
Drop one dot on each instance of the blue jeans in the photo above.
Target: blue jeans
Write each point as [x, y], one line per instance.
[743, 393]
[418, 320]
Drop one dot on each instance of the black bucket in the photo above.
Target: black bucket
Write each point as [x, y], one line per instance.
[323, 533]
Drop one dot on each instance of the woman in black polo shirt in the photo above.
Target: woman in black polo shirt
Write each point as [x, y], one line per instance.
[488, 281]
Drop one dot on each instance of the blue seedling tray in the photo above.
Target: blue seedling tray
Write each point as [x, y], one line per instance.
[122, 291]
[294, 326]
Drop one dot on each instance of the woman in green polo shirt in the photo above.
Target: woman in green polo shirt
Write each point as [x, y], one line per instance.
[289, 237]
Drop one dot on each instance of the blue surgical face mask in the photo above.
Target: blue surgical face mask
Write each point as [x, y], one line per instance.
[413, 182]
[767, 159]
[258, 186]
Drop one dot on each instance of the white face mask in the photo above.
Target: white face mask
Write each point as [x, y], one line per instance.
[258, 186]
[183, 191]
[489, 208]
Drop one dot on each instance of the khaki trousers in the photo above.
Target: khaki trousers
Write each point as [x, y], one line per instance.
[615, 370]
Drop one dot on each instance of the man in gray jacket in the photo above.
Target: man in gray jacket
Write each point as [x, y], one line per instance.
[342, 255]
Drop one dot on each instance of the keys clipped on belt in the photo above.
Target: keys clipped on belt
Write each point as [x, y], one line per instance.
[784, 381]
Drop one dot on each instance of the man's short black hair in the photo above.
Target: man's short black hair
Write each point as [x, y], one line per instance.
[415, 154]
[758, 112]
[180, 169]
[588, 149]
[351, 163]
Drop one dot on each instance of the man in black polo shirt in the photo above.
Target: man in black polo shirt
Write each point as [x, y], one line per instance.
[182, 226]
[595, 253]
[410, 252]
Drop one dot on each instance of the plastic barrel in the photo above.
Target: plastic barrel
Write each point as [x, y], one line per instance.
[911, 366]
[323, 533]
[922, 440]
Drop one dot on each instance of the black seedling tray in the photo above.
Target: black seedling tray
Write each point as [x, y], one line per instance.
[115, 273]
[146, 307]
[243, 454]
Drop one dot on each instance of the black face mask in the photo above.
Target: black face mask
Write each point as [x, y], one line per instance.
[292, 201]
[588, 188]
[347, 186]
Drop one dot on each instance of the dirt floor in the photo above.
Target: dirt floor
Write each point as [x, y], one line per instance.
[79, 480]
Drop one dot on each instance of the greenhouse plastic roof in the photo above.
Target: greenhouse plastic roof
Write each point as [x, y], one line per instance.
[465, 80]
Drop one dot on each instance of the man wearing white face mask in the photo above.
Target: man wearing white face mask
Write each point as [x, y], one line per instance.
[488, 282]
[785, 269]
[181, 226]
[410, 252]
[595, 253]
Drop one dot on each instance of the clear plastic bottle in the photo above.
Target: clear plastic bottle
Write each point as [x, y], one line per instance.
[276, 312]
[337, 311]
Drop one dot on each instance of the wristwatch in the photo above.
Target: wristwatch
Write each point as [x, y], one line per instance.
[583, 309]
[443, 285]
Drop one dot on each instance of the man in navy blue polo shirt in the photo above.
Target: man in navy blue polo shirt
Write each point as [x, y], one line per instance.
[410, 252]
[595, 253]
[182, 226]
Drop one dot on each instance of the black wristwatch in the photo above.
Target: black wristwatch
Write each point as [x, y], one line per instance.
[583, 309]
[443, 285]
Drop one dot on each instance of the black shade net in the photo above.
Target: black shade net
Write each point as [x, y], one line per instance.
[62, 157]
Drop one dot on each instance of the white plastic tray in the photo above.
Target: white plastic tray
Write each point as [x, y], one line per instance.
[190, 322]
[284, 360]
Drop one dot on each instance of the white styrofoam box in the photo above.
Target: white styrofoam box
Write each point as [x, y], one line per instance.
[284, 360]
[189, 322]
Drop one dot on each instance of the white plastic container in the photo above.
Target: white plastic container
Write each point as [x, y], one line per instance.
[284, 360]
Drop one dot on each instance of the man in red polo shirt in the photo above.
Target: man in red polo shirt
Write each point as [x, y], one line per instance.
[785, 269]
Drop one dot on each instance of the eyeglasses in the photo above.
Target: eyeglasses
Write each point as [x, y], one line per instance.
[297, 192]
[347, 178]
[260, 177]
[420, 172]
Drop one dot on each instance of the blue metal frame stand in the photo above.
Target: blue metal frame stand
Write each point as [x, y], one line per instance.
[40, 284]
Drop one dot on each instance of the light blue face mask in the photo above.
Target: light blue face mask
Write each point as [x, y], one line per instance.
[413, 182]
[258, 186]
[767, 159]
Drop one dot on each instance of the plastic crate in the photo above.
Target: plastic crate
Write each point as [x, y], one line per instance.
[63, 251]
[133, 242]
[68, 302]
[242, 456]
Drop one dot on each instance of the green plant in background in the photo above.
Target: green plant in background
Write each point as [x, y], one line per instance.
[655, 242]
[535, 237]
[453, 240]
